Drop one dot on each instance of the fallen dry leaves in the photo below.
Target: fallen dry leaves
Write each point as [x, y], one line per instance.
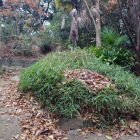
[93, 80]
[131, 127]
[36, 123]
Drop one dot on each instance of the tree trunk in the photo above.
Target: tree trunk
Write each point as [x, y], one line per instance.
[138, 40]
[135, 15]
[98, 25]
[96, 21]
[134, 6]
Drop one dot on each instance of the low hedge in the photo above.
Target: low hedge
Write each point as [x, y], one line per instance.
[46, 80]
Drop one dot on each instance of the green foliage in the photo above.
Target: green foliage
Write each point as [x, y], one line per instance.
[116, 55]
[46, 80]
[52, 33]
[55, 35]
[111, 38]
[111, 50]
[86, 37]
[47, 37]
[6, 33]
[23, 46]
[67, 97]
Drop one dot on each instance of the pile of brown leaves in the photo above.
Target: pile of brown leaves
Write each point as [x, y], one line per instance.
[36, 123]
[93, 80]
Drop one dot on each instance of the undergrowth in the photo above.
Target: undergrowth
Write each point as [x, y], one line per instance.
[112, 50]
[47, 82]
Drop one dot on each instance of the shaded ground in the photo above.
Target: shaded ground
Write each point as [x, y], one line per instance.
[21, 118]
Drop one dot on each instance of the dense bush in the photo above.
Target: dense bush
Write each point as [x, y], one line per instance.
[114, 55]
[68, 97]
[112, 50]
[111, 38]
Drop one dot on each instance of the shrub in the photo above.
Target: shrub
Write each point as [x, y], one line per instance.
[112, 50]
[119, 56]
[23, 46]
[46, 80]
[111, 38]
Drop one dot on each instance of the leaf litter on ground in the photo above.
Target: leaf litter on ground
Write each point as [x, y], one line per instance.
[93, 80]
[40, 124]
[37, 123]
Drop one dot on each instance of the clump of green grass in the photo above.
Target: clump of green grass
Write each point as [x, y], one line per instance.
[47, 82]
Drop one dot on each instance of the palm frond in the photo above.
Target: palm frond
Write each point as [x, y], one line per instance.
[120, 40]
[111, 38]
[108, 36]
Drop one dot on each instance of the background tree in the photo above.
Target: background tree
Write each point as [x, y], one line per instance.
[32, 13]
[134, 9]
[21, 19]
[87, 16]
[94, 13]
[79, 16]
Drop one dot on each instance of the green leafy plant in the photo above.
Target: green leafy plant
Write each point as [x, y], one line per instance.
[114, 55]
[111, 38]
[47, 82]
[111, 50]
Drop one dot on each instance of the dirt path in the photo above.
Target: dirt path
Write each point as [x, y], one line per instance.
[22, 119]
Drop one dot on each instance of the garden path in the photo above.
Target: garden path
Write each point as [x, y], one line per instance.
[9, 124]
